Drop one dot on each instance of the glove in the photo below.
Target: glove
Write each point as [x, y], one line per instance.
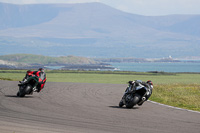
[130, 82]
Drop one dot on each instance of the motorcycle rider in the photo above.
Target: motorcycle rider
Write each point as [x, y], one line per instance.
[40, 74]
[148, 85]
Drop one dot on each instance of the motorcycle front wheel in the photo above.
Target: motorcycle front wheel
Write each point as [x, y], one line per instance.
[24, 90]
[121, 103]
[21, 93]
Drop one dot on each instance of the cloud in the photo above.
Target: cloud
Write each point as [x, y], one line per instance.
[142, 7]
[156, 7]
[46, 1]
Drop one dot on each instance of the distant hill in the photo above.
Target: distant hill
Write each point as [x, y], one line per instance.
[46, 60]
[95, 30]
[12, 65]
[30, 61]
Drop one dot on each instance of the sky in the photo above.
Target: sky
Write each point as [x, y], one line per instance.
[140, 7]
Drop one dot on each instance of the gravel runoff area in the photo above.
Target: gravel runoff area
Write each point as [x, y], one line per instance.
[87, 108]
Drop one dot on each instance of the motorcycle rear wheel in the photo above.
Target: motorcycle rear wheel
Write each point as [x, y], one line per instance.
[133, 101]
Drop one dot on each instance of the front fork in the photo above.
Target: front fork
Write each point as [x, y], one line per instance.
[128, 89]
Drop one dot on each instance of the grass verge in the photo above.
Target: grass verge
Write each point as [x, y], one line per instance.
[185, 96]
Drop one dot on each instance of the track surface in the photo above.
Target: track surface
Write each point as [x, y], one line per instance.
[86, 108]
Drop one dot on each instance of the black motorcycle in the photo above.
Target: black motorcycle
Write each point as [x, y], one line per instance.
[28, 86]
[135, 94]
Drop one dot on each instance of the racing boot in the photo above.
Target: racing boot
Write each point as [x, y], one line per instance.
[35, 89]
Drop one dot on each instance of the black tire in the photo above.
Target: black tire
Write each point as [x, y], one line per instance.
[23, 91]
[28, 89]
[133, 101]
[21, 94]
[18, 93]
[121, 104]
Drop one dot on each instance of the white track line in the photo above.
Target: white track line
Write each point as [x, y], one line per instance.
[174, 107]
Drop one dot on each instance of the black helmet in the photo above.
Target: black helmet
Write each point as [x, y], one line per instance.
[28, 71]
[41, 69]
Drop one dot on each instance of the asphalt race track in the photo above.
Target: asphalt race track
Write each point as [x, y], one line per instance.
[87, 108]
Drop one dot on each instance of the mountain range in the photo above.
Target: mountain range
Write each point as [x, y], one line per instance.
[30, 61]
[95, 30]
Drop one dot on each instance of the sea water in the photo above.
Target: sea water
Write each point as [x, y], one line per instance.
[158, 66]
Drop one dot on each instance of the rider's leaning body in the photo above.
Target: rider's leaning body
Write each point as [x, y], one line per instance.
[41, 77]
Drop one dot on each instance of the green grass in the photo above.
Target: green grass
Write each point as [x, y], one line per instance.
[120, 78]
[175, 89]
[185, 96]
[107, 77]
